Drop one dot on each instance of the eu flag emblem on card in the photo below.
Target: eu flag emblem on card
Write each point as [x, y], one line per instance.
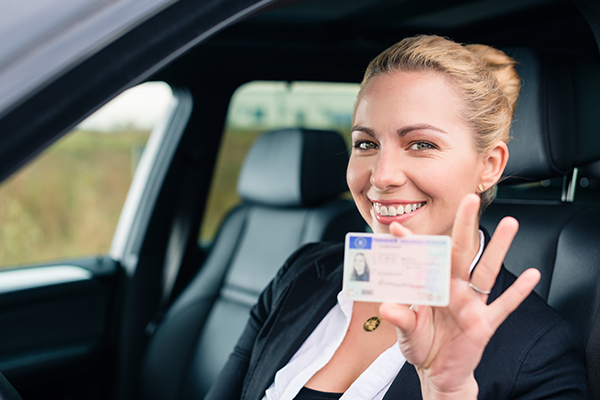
[360, 242]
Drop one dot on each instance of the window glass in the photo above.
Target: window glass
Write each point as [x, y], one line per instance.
[261, 106]
[66, 202]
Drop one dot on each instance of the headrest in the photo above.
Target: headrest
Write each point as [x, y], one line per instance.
[543, 131]
[294, 167]
[586, 86]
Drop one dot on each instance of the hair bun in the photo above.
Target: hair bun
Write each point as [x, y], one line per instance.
[502, 67]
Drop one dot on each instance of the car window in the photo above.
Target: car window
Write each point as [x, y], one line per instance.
[260, 106]
[66, 202]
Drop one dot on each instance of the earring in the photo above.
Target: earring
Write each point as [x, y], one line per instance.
[481, 187]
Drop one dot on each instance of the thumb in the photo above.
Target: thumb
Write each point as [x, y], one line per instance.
[400, 315]
[398, 229]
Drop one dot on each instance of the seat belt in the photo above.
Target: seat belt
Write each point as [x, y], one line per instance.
[177, 245]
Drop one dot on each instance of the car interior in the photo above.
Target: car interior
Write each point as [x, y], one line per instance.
[290, 184]
[157, 315]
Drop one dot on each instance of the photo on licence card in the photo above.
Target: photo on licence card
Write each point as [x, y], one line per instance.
[385, 268]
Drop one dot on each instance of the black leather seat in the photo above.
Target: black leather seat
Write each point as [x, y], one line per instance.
[290, 184]
[559, 237]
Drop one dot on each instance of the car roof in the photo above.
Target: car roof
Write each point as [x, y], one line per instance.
[66, 59]
[59, 70]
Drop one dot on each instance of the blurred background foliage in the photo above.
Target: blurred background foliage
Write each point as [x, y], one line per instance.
[66, 202]
[260, 106]
[223, 195]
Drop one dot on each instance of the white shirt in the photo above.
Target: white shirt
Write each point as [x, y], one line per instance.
[323, 342]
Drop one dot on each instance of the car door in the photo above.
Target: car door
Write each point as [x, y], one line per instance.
[70, 322]
[63, 272]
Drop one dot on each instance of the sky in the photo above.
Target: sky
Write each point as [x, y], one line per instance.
[315, 105]
[139, 107]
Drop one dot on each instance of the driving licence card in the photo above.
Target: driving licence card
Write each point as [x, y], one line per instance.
[385, 268]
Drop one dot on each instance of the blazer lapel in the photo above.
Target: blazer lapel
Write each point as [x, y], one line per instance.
[406, 386]
[308, 300]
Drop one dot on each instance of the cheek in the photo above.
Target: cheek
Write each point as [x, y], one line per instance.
[357, 176]
[451, 184]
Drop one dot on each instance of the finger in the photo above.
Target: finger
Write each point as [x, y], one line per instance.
[463, 243]
[504, 305]
[488, 267]
[398, 229]
[400, 315]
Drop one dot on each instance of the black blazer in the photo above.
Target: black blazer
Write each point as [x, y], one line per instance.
[534, 354]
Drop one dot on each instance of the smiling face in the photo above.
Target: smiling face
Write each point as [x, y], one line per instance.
[413, 158]
[360, 263]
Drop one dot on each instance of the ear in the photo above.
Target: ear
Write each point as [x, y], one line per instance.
[494, 162]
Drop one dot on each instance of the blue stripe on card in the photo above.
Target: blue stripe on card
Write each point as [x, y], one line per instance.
[360, 242]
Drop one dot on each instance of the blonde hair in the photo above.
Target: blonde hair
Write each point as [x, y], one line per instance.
[485, 78]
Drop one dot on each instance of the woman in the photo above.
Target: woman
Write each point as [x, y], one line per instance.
[429, 135]
[360, 269]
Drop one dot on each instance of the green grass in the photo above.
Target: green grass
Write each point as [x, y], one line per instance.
[66, 203]
[223, 195]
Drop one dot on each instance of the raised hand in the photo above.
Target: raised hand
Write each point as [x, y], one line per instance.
[445, 344]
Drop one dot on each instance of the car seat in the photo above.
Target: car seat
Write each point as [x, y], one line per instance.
[556, 129]
[290, 184]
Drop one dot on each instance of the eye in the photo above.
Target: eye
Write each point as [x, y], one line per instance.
[365, 145]
[421, 146]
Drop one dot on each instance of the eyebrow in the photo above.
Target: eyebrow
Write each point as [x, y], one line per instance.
[363, 129]
[402, 131]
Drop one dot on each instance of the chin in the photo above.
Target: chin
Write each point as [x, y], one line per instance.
[381, 229]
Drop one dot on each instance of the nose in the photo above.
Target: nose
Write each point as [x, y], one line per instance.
[388, 171]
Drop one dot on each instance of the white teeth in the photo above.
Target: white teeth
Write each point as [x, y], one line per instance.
[391, 211]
